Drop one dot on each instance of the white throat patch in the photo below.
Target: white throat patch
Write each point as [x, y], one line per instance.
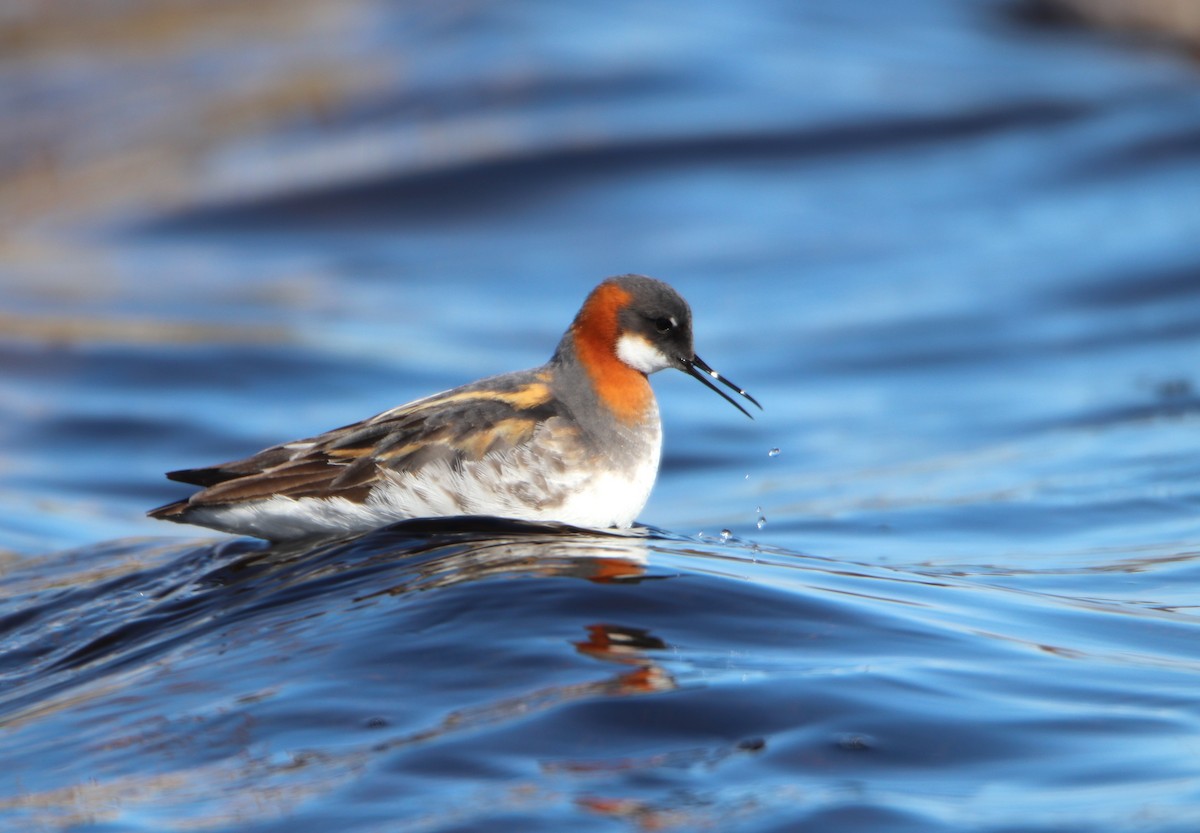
[640, 354]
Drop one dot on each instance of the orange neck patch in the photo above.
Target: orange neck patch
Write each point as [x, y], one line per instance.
[624, 391]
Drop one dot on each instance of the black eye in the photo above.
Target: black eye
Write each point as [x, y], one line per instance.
[664, 325]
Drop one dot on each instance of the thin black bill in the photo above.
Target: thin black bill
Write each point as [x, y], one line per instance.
[697, 368]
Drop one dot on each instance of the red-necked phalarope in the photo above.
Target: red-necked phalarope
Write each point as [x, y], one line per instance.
[576, 441]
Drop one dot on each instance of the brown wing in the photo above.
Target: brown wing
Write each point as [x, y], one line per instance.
[457, 426]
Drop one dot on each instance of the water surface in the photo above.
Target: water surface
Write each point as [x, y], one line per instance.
[953, 255]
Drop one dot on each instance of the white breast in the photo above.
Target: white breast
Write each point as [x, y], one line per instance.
[614, 499]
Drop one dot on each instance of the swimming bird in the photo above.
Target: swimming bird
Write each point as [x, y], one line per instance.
[576, 441]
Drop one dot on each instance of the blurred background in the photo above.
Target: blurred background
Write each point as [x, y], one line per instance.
[932, 236]
[945, 581]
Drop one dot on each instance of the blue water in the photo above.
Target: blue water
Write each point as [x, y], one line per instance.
[955, 255]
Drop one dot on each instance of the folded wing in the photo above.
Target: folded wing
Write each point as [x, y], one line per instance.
[458, 426]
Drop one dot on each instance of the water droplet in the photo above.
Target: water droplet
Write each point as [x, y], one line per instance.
[726, 535]
[762, 519]
[774, 452]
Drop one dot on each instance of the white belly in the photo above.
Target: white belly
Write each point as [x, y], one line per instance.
[520, 484]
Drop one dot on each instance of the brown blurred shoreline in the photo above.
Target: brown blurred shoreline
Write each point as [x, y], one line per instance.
[1173, 20]
[119, 103]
